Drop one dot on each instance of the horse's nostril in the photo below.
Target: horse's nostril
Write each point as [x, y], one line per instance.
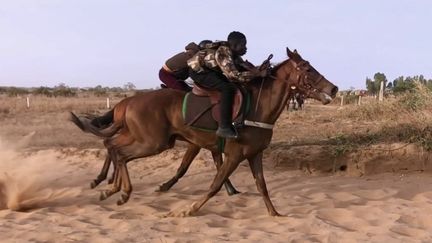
[334, 90]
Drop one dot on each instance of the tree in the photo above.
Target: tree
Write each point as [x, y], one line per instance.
[129, 86]
[398, 80]
[421, 79]
[370, 86]
[389, 85]
[373, 86]
[378, 78]
[44, 91]
[63, 90]
[402, 84]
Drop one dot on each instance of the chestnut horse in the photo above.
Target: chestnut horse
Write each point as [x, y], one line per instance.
[154, 121]
[115, 116]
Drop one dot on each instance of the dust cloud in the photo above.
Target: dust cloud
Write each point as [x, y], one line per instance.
[33, 179]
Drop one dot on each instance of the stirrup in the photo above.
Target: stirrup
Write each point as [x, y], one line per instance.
[227, 132]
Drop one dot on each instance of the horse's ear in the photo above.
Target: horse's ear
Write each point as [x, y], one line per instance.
[289, 53]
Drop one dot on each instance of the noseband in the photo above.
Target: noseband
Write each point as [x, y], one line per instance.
[302, 79]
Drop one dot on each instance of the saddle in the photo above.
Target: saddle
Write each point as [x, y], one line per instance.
[201, 107]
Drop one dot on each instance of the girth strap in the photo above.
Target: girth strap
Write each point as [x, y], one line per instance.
[258, 124]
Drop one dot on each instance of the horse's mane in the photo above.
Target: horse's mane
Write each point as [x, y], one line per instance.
[277, 66]
[273, 71]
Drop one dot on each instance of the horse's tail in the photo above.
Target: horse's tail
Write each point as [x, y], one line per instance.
[102, 121]
[106, 125]
[86, 125]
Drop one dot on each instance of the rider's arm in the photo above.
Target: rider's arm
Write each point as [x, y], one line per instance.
[225, 62]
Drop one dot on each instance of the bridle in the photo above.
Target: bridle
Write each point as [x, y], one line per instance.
[302, 77]
[302, 80]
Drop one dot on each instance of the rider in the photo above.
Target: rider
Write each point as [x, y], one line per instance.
[175, 70]
[217, 67]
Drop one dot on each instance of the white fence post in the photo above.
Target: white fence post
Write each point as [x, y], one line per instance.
[108, 103]
[381, 92]
[28, 102]
[359, 100]
[342, 100]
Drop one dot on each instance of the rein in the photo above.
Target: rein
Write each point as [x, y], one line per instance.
[255, 123]
[301, 78]
[259, 95]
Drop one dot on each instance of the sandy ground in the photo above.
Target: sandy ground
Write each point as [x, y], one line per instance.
[45, 197]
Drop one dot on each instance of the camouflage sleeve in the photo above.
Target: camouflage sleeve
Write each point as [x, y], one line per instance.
[226, 63]
[244, 65]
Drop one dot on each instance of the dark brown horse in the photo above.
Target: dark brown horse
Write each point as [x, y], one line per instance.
[153, 122]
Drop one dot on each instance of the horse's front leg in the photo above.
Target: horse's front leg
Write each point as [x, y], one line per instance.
[255, 164]
[222, 175]
[218, 160]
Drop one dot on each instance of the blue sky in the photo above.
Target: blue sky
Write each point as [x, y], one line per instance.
[86, 43]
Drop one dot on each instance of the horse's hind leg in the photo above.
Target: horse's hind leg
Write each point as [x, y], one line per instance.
[218, 160]
[126, 183]
[111, 179]
[115, 186]
[104, 172]
[132, 151]
[188, 157]
[122, 139]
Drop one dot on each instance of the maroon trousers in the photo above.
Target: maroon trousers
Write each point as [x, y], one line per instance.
[172, 82]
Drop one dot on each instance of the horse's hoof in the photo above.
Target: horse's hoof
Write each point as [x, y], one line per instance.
[162, 188]
[93, 184]
[276, 214]
[233, 192]
[103, 195]
[123, 199]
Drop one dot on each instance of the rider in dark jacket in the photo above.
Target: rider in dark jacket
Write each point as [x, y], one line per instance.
[216, 68]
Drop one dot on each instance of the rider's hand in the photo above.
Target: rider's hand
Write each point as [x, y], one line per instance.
[266, 64]
[257, 72]
[264, 73]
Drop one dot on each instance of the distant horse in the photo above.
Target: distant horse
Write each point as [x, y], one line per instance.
[297, 101]
[154, 121]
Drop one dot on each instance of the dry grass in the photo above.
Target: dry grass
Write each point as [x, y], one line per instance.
[48, 118]
[403, 119]
[416, 104]
[42, 104]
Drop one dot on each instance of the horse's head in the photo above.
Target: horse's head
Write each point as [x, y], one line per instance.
[305, 79]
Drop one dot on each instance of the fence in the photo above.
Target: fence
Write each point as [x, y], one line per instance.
[55, 104]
